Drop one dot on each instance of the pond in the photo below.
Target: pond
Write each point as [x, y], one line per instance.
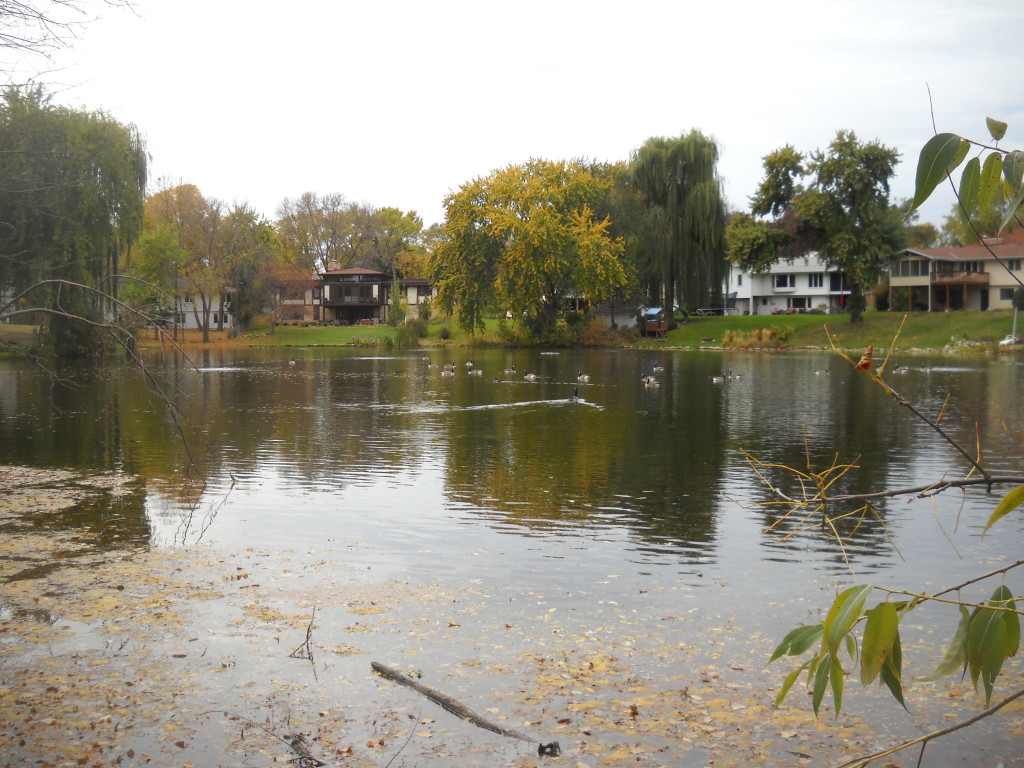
[500, 524]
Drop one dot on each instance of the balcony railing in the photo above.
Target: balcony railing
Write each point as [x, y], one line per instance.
[959, 278]
[351, 301]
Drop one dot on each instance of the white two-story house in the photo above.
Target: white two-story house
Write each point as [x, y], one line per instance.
[787, 286]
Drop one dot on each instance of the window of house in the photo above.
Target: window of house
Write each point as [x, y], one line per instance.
[1013, 265]
[1006, 294]
[816, 280]
[739, 280]
[785, 281]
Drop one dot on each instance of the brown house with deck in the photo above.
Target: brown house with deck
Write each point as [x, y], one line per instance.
[348, 297]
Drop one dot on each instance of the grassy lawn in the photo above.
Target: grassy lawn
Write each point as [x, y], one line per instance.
[922, 331]
[20, 335]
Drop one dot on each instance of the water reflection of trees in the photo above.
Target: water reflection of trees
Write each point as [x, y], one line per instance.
[847, 419]
[647, 461]
[71, 417]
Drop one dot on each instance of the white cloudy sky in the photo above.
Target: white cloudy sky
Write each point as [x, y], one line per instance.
[399, 102]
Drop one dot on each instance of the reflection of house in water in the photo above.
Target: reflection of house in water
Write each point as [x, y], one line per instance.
[348, 297]
[964, 277]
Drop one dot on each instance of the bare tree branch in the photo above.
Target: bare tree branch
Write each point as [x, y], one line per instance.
[923, 740]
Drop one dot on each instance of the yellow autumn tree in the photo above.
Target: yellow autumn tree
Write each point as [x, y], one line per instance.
[526, 238]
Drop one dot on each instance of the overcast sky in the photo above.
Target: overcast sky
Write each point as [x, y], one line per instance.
[399, 103]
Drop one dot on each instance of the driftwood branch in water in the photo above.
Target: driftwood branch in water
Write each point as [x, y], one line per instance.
[459, 710]
[305, 651]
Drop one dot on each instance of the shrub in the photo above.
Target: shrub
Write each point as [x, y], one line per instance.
[408, 334]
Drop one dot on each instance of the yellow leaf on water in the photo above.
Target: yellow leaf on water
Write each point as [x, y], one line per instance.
[368, 609]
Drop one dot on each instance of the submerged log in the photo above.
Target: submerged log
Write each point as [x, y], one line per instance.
[459, 710]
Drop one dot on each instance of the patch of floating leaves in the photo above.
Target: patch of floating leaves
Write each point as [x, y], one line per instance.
[140, 656]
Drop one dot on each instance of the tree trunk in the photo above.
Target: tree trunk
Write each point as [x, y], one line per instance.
[855, 304]
[549, 315]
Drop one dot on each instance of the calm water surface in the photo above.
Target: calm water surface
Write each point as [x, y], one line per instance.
[576, 490]
[345, 446]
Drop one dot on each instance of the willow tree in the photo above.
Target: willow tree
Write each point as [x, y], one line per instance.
[526, 238]
[72, 184]
[683, 239]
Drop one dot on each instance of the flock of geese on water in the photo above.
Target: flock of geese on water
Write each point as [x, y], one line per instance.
[649, 380]
[896, 369]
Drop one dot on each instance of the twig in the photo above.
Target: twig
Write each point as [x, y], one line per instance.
[407, 739]
[984, 576]
[296, 743]
[923, 740]
[305, 651]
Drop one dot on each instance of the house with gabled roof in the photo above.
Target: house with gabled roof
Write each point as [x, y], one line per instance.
[786, 286]
[977, 277]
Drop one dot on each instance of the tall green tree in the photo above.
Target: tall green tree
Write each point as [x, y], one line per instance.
[251, 250]
[398, 242]
[526, 238]
[919, 234]
[985, 221]
[683, 236]
[834, 202]
[72, 185]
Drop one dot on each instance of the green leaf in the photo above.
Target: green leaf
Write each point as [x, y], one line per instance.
[940, 155]
[836, 678]
[1013, 171]
[892, 671]
[956, 654]
[991, 177]
[1010, 502]
[996, 128]
[905, 606]
[821, 679]
[988, 644]
[882, 625]
[788, 683]
[797, 641]
[1003, 598]
[1013, 168]
[970, 188]
[843, 614]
